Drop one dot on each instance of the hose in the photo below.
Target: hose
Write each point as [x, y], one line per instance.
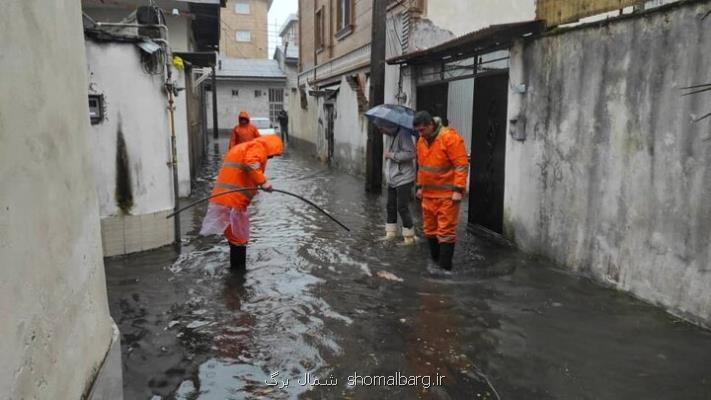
[193, 204]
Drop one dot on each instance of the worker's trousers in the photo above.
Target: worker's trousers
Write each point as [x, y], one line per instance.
[439, 219]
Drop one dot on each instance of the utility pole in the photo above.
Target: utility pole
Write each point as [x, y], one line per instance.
[374, 147]
[214, 104]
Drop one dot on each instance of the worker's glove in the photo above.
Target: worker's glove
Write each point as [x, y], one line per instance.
[456, 197]
[418, 194]
[267, 187]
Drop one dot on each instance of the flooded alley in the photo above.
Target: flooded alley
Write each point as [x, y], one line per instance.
[347, 308]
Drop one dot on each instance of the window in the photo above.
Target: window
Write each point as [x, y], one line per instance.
[319, 28]
[243, 36]
[96, 108]
[344, 22]
[257, 93]
[235, 93]
[242, 7]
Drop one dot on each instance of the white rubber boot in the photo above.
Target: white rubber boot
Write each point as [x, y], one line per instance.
[390, 231]
[408, 235]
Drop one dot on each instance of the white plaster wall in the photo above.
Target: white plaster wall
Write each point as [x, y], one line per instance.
[56, 328]
[136, 104]
[350, 131]
[614, 177]
[229, 106]
[460, 17]
[304, 122]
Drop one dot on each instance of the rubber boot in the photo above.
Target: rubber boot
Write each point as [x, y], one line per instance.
[408, 236]
[390, 231]
[238, 257]
[434, 248]
[446, 252]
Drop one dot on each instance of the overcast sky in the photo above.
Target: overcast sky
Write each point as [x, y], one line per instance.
[277, 15]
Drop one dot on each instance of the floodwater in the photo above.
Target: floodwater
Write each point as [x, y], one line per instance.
[369, 320]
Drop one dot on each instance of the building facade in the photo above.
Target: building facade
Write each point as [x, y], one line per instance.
[131, 123]
[252, 85]
[59, 341]
[334, 62]
[287, 55]
[244, 29]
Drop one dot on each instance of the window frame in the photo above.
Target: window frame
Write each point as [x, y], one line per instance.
[243, 3]
[319, 29]
[344, 21]
[238, 40]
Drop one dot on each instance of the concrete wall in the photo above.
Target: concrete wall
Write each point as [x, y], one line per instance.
[229, 106]
[56, 329]
[350, 131]
[136, 110]
[614, 177]
[303, 122]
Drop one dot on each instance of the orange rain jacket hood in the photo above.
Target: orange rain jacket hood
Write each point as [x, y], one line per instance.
[243, 133]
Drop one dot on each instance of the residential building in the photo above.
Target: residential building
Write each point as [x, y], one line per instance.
[577, 134]
[132, 126]
[244, 29]
[58, 338]
[252, 85]
[287, 55]
[334, 62]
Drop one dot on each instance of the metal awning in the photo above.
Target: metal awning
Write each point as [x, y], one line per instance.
[198, 58]
[494, 37]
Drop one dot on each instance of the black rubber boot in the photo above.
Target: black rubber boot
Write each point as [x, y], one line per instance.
[238, 257]
[434, 248]
[445, 256]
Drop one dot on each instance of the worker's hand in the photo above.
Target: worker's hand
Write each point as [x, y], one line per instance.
[456, 197]
[418, 194]
[267, 187]
[389, 155]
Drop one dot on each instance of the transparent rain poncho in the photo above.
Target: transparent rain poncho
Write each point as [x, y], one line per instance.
[219, 217]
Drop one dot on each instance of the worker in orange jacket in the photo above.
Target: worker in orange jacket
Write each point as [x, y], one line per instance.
[243, 167]
[244, 131]
[442, 172]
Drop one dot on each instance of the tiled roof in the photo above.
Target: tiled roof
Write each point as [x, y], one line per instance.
[249, 68]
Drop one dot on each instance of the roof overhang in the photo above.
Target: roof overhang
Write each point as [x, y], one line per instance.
[199, 58]
[250, 78]
[494, 37]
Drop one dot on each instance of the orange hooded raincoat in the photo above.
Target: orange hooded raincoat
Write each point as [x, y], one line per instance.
[243, 167]
[443, 167]
[243, 133]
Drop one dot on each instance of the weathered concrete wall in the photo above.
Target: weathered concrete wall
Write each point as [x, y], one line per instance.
[614, 178]
[229, 106]
[303, 122]
[350, 131]
[136, 190]
[56, 328]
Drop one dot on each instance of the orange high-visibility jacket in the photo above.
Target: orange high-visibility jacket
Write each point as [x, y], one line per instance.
[243, 133]
[443, 165]
[243, 167]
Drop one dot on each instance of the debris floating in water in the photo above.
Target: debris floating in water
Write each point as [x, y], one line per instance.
[388, 276]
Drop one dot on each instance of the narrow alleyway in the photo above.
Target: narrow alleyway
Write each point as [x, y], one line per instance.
[315, 300]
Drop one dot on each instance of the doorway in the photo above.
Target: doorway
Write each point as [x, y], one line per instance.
[488, 155]
[330, 116]
[433, 98]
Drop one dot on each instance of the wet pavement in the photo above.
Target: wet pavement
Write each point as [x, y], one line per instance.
[370, 321]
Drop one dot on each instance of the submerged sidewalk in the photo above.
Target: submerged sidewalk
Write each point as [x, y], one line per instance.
[318, 301]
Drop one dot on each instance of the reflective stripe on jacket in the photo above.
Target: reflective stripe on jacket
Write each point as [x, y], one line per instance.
[442, 165]
[243, 167]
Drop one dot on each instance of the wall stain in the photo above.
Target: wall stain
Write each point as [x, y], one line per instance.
[124, 192]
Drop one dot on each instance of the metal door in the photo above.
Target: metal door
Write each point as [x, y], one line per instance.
[488, 155]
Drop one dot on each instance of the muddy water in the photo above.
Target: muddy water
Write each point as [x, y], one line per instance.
[338, 307]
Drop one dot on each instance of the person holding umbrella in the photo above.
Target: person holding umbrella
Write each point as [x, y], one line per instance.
[396, 123]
